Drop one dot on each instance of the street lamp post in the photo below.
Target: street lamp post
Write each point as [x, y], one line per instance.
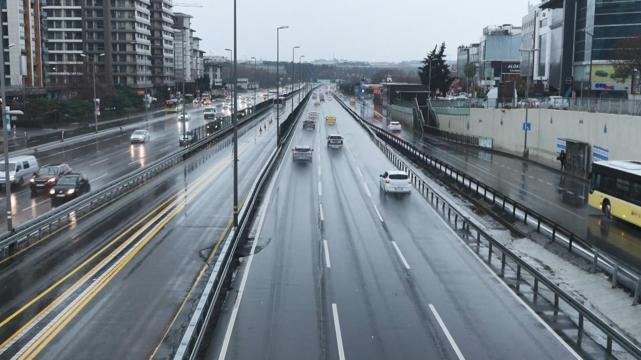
[5, 140]
[255, 81]
[526, 152]
[235, 121]
[230, 61]
[95, 100]
[300, 75]
[278, 29]
[293, 62]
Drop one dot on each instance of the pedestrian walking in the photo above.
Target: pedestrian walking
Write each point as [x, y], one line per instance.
[562, 158]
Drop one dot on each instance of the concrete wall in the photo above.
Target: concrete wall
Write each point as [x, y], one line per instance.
[620, 134]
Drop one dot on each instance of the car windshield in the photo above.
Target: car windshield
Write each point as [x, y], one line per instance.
[48, 170]
[140, 132]
[398, 176]
[303, 149]
[68, 180]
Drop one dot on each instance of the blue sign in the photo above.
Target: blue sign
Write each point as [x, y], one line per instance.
[527, 126]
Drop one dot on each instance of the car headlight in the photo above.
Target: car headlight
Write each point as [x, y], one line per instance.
[52, 180]
[71, 191]
[32, 180]
[52, 191]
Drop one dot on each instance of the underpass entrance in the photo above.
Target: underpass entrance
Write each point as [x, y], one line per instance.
[578, 157]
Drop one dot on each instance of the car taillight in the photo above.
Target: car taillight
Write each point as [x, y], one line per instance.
[387, 181]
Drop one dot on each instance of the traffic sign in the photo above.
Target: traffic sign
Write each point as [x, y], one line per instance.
[527, 126]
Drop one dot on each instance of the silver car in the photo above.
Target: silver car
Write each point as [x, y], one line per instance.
[302, 153]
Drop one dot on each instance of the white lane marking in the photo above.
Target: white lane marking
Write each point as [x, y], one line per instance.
[507, 288]
[134, 162]
[339, 337]
[400, 255]
[360, 173]
[36, 204]
[378, 213]
[326, 248]
[549, 183]
[102, 161]
[581, 197]
[319, 171]
[100, 177]
[367, 190]
[458, 352]
[320, 189]
[322, 215]
[234, 313]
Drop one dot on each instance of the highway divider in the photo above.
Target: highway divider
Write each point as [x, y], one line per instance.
[60, 217]
[619, 272]
[212, 295]
[528, 283]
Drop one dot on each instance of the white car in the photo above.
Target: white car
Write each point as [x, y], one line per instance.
[186, 117]
[394, 126]
[395, 181]
[139, 136]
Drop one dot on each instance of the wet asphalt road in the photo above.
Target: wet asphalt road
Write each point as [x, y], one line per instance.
[103, 161]
[128, 317]
[341, 269]
[550, 193]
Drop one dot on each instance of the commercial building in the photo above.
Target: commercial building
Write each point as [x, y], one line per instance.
[541, 48]
[499, 55]
[467, 55]
[592, 30]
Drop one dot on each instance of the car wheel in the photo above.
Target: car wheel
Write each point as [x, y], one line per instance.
[21, 181]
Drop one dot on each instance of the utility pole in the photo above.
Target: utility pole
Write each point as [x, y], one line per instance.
[278, 29]
[184, 120]
[293, 61]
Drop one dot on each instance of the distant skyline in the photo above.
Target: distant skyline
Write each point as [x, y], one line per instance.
[375, 31]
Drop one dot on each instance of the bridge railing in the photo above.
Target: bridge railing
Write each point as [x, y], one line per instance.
[513, 270]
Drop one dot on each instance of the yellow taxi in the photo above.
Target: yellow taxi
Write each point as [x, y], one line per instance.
[330, 120]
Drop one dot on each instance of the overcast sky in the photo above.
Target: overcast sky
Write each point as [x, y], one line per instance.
[371, 30]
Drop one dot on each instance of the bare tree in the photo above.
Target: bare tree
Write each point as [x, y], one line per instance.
[627, 57]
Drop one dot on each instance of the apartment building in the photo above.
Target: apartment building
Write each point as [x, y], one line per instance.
[162, 43]
[62, 41]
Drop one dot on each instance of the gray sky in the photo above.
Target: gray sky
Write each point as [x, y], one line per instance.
[348, 29]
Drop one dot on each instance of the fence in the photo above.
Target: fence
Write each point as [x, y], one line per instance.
[517, 273]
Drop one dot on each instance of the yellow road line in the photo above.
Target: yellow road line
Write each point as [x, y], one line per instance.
[197, 185]
[196, 188]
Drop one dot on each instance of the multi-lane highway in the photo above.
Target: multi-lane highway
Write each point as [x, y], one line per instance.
[338, 270]
[548, 192]
[116, 284]
[103, 160]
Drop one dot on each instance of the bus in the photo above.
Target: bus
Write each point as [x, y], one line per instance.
[615, 189]
[172, 106]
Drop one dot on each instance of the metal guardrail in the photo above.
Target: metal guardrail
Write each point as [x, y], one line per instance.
[214, 288]
[478, 239]
[54, 220]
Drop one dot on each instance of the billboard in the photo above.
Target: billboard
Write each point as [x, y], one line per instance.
[603, 79]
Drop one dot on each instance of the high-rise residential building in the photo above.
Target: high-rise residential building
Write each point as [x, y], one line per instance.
[121, 30]
[22, 51]
[162, 43]
[62, 41]
[197, 60]
[182, 47]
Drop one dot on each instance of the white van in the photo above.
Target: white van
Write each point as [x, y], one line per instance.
[21, 169]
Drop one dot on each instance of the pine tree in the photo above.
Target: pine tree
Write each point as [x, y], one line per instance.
[435, 64]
